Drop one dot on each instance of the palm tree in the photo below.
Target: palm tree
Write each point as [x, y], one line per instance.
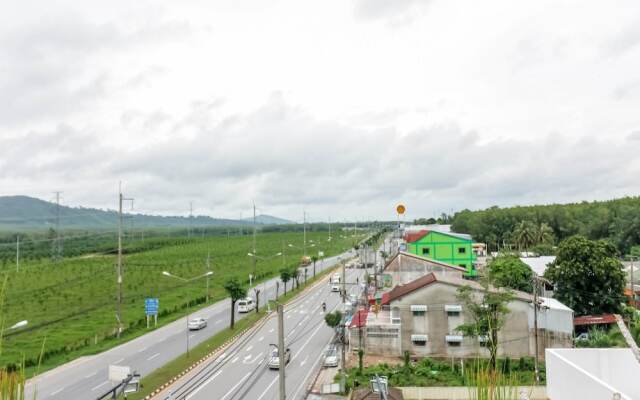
[544, 234]
[524, 234]
[285, 276]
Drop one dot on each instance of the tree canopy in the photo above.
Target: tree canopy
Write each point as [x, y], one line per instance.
[509, 272]
[236, 292]
[588, 276]
[333, 319]
[617, 220]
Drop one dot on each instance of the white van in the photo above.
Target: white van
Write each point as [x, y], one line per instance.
[246, 305]
[335, 278]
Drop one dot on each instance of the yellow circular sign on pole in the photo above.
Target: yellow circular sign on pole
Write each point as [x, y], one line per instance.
[400, 209]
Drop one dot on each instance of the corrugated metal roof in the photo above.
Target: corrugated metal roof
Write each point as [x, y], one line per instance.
[538, 264]
[595, 319]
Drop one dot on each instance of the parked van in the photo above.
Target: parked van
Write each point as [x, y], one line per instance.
[246, 305]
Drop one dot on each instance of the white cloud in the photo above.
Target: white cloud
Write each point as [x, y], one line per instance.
[342, 108]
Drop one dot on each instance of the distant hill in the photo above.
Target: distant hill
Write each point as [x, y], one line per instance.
[268, 220]
[23, 212]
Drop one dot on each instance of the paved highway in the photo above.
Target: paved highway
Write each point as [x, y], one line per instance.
[87, 377]
[241, 371]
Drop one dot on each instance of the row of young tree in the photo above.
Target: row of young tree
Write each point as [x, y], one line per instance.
[524, 227]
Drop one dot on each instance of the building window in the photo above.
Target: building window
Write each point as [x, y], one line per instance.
[425, 251]
[462, 250]
[419, 340]
[453, 310]
[453, 340]
[418, 310]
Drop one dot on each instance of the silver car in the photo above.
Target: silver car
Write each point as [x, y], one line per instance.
[274, 359]
[195, 324]
[331, 357]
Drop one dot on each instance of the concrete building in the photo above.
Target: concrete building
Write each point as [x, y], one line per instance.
[592, 374]
[450, 248]
[405, 267]
[422, 317]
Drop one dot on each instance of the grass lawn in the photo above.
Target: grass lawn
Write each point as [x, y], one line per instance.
[71, 304]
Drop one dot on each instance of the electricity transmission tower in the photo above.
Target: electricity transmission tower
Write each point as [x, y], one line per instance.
[56, 249]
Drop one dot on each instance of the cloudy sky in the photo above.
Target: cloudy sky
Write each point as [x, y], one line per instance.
[340, 107]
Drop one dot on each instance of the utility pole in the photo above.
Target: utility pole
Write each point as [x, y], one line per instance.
[57, 249]
[119, 305]
[535, 326]
[255, 256]
[208, 269]
[17, 253]
[190, 218]
[633, 291]
[344, 288]
[304, 233]
[281, 352]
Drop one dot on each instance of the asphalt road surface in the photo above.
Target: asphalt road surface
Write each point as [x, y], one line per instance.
[241, 372]
[87, 377]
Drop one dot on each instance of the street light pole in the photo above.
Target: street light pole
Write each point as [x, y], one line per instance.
[205, 275]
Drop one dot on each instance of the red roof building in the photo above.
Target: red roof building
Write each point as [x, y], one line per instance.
[605, 319]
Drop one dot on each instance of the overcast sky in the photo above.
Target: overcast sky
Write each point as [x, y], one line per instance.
[343, 108]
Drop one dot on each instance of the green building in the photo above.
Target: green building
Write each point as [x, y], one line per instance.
[450, 248]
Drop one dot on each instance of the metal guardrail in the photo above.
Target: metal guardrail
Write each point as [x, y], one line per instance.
[130, 382]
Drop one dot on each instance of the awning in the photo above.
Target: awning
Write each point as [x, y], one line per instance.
[419, 307]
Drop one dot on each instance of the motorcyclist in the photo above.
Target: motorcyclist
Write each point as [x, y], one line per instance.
[324, 306]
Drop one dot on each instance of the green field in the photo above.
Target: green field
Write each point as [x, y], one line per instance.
[71, 304]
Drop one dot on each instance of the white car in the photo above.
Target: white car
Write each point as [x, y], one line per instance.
[331, 357]
[335, 288]
[197, 323]
[246, 305]
[274, 359]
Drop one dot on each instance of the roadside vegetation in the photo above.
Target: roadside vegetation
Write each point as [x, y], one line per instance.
[72, 302]
[432, 372]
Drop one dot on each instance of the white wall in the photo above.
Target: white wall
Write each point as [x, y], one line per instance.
[592, 374]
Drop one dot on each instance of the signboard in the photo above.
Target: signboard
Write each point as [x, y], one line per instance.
[387, 280]
[118, 373]
[151, 306]
[401, 209]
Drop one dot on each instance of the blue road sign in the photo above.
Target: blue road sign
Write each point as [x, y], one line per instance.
[151, 306]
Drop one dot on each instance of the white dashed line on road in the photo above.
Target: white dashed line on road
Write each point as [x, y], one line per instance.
[99, 386]
[90, 375]
[57, 391]
[153, 356]
[249, 348]
[261, 339]
[234, 360]
[142, 349]
[118, 361]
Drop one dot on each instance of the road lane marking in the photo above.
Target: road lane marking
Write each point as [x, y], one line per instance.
[292, 331]
[248, 357]
[99, 386]
[218, 321]
[303, 362]
[90, 375]
[236, 386]
[271, 330]
[120, 360]
[249, 348]
[153, 356]
[57, 391]
[288, 316]
[142, 349]
[267, 389]
[222, 356]
[203, 385]
[191, 336]
[234, 360]
[261, 339]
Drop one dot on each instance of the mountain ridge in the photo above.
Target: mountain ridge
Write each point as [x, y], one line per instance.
[27, 212]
